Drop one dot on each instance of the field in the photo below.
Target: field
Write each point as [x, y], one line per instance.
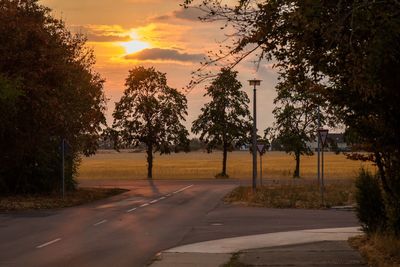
[201, 165]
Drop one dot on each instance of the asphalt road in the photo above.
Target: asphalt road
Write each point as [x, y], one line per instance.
[129, 229]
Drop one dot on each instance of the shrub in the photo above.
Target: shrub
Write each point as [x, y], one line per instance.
[392, 205]
[370, 204]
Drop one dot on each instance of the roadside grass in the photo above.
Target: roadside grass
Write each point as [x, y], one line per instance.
[295, 194]
[202, 165]
[234, 262]
[55, 201]
[378, 249]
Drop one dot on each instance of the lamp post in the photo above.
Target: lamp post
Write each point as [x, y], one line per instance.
[255, 83]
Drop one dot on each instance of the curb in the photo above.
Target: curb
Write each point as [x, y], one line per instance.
[235, 244]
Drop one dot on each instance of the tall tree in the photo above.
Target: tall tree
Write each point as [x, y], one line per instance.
[48, 92]
[225, 120]
[151, 113]
[296, 117]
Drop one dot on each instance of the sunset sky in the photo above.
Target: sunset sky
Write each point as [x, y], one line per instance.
[159, 33]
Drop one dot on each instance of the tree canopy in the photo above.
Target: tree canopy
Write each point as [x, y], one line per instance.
[48, 92]
[224, 122]
[151, 113]
[298, 113]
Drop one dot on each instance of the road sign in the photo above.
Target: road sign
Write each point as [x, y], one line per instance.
[261, 148]
[323, 134]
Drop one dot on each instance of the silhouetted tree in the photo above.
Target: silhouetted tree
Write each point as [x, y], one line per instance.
[296, 115]
[225, 120]
[151, 112]
[48, 91]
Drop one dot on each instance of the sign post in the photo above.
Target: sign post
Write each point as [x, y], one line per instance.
[63, 166]
[322, 135]
[262, 148]
[319, 150]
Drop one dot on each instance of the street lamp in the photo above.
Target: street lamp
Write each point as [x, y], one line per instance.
[255, 83]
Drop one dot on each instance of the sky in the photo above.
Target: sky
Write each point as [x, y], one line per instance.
[158, 33]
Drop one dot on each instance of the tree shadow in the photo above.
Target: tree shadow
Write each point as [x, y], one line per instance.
[153, 187]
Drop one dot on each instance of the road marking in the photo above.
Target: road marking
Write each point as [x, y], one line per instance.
[156, 200]
[183, 189]
[49, 243]
[131, 210]
[100, 222]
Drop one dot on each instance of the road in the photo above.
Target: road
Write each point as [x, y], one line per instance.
[129, 229]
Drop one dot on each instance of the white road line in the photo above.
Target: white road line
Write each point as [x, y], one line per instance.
[100, 222]
[131, 210]
[156, 200]
[49, 243]
[183, 189]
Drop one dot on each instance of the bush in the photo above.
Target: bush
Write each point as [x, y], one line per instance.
[370, 205]
[392, 205]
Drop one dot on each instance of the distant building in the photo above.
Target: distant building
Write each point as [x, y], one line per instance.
[106, 143]
[334, 142]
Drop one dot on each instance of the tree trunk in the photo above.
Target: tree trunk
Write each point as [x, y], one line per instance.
[225, 155]
[382, 174]
[150, 161]
[297, 170]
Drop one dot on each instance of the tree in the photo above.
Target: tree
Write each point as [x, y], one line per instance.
[48, 92]
[297, 115]
[225, 120]
[150, 112]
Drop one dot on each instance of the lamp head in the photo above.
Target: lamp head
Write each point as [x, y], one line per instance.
[255, 82]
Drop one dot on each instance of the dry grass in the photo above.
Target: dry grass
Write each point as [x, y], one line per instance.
[200, 165]
[378, 250]
[299, 194]
[235, 262]
[54, 201]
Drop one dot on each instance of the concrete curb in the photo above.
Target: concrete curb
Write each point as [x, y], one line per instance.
[232, 245]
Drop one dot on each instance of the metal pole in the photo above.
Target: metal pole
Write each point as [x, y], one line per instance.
[319, 150]
[322, 178]
[260, 170]
[254, 139]
[63, 166]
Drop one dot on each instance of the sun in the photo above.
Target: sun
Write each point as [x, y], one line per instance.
[134, 46]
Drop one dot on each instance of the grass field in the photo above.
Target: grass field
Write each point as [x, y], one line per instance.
[200, 165]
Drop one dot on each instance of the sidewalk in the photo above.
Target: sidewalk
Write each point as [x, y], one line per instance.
[319, 247]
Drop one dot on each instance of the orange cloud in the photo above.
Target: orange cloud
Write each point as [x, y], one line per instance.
[162, 54]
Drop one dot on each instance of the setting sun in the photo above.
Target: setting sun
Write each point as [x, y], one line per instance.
[134, 46]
